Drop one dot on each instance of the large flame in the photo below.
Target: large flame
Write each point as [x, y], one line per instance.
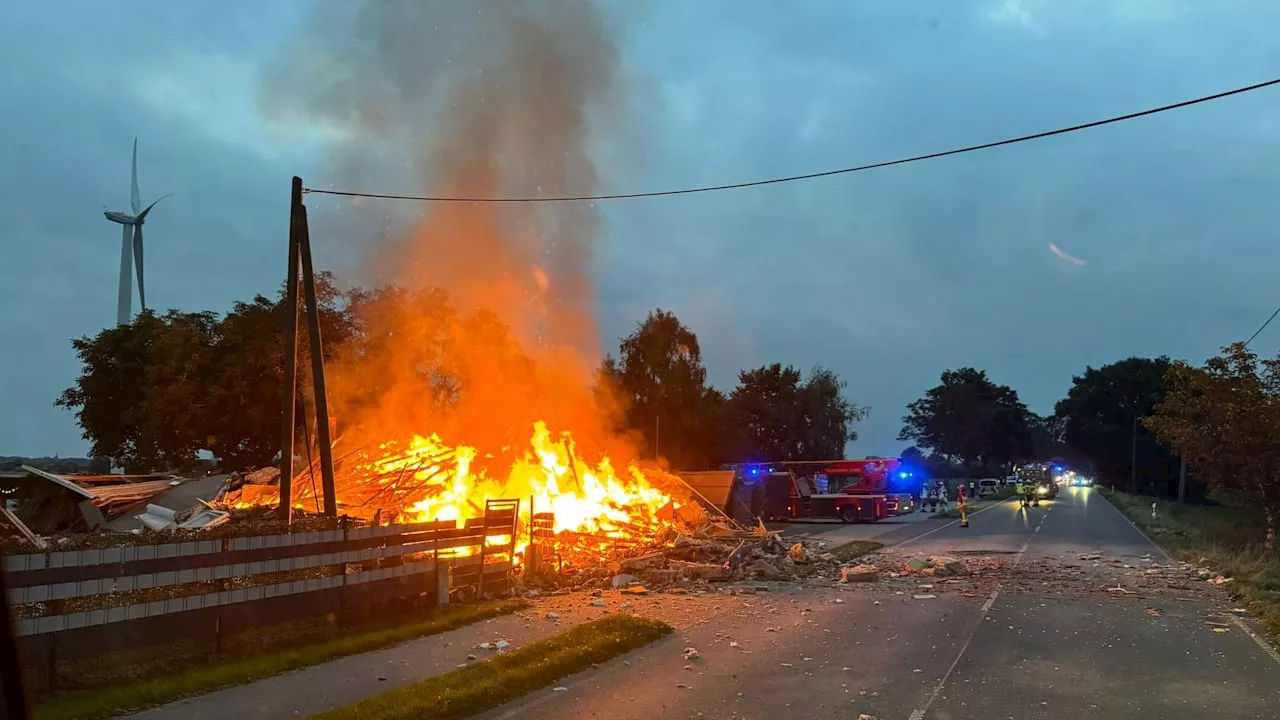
[550, 477]
[594, 508]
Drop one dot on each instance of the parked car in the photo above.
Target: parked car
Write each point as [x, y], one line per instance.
[902, 504]
[988, 486]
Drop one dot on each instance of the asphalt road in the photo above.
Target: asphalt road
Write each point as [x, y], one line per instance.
[1044, 636]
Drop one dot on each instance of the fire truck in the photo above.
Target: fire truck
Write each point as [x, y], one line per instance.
[847, 490]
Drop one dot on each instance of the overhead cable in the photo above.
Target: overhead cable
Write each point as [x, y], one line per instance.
[807, 176]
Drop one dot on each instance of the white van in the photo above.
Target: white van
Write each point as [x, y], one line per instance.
[988, 486]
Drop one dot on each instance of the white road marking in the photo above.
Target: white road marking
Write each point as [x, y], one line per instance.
[1262, 643]
[944, 527]
[919, 713]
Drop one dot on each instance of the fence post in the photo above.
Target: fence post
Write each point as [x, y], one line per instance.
[342, 590]
[443, 584]
[53, 663]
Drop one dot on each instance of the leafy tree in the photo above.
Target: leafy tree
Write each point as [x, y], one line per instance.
[661, 382]
[1102, 415]
[245, 385]
[782, 418]
[768, 409]
[1225, 418]
[140, 398]
[153, 393]
[970, 418]
[912, 454]
[828, 416]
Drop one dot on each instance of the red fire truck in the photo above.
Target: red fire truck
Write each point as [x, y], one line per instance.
[848, 490]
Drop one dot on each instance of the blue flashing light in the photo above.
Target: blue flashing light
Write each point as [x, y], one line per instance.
[1057, 468]
[904, 474]
[754, 471]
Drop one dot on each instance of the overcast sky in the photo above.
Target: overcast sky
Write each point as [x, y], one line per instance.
[889, 276]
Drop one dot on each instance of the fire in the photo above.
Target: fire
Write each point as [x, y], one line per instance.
[426, 479]
[550, 477]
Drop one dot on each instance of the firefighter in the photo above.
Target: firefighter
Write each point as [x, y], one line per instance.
[1020, 489]
[962, 503]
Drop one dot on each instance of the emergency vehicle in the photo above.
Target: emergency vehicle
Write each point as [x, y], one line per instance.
[863, 490]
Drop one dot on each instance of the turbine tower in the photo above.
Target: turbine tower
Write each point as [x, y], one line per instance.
[131, 247]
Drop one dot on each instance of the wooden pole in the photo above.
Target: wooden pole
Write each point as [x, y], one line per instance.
[290, 380]
[317, 369]
[1182, 481]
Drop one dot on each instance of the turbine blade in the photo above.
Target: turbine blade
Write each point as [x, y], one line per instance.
[142, 216]
[134, 197]
[137, 263]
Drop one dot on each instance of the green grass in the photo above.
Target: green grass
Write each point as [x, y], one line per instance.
[1228, 538]
[855, 549]
[115, 700]
[485, 685]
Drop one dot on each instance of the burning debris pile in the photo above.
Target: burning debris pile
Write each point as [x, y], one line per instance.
[593, 511]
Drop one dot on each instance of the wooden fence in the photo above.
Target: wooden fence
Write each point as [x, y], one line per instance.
[87, 617]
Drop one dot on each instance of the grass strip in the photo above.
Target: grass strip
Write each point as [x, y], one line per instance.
[485, 685]
[1226, 539]
[116, 700]
[855, 549]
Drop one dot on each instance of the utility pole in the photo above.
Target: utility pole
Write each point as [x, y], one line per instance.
[289, 398]
[1182, 481]
[300, 259]
[657, 432]
[1133, 456]
[317, 369]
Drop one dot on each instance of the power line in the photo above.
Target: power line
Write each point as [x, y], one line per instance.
[1258, 332]
[808, 176]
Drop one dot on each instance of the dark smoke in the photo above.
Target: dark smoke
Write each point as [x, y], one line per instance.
[469, 98]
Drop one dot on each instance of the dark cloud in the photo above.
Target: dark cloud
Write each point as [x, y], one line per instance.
[889, 276]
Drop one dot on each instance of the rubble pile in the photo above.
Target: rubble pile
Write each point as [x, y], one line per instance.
[717, 551]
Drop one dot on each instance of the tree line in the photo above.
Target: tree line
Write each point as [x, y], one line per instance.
[1148, 425]
[168, 389]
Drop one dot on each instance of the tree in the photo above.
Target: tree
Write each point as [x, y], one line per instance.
[912, 454]
[661, 381]
[1103, 414]
[782, 418]
[141, 396]
[970, 418]
[155, 392]
[828, 416]
[1225, 418]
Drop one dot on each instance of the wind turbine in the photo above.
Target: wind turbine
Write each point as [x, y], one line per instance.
[131, 248]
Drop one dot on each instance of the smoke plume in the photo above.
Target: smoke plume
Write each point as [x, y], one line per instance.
[464, 98]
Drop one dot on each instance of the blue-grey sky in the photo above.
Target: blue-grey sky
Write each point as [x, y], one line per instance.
[889, 276]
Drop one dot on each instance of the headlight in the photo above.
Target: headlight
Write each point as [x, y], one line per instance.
[1042, 490]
